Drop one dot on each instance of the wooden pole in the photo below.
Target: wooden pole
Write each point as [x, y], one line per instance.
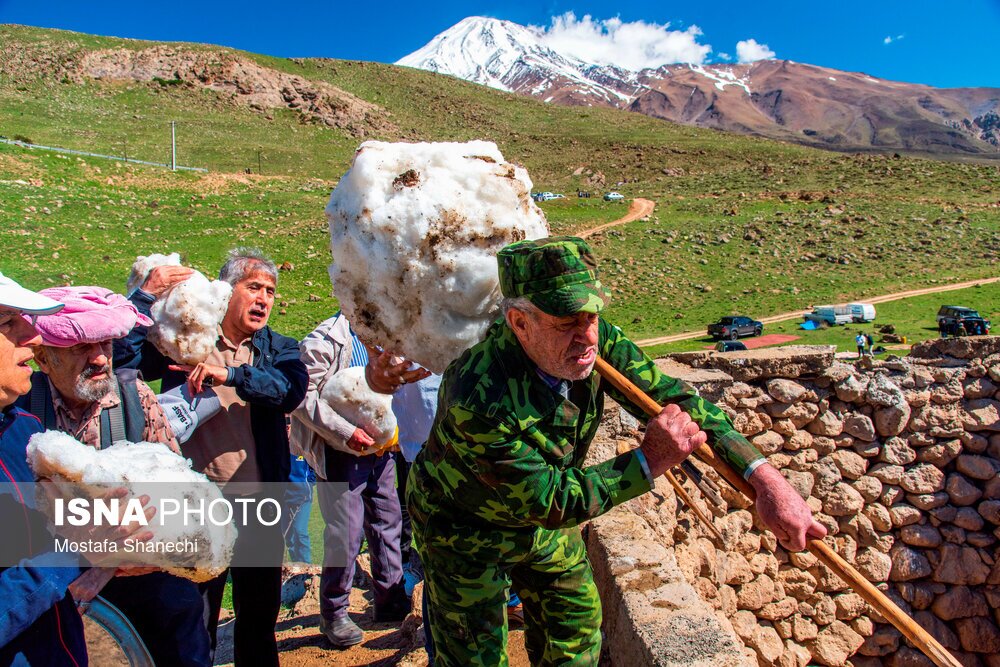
[686, 499]
[873, 596]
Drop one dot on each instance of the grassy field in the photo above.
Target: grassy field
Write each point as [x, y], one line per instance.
[741, 224]
[914, 318]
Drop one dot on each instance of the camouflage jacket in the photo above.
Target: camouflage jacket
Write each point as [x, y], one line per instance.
[507, 452]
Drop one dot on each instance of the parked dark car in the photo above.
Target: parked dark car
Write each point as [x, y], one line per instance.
[961, 321]
[733, 327]
[730, 346]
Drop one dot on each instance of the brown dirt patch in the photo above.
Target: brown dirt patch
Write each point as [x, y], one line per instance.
[19, 167]
[639, 208]
[244, 80]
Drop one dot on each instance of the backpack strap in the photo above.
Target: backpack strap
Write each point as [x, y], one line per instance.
[116, 416]
[135, 416]
[40, 400]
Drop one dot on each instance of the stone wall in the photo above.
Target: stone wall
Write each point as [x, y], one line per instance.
[899, 459]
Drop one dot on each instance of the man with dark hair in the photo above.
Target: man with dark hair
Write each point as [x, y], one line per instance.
[259, 379]
[497, 493]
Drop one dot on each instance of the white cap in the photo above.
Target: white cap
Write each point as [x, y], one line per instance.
[14, 296]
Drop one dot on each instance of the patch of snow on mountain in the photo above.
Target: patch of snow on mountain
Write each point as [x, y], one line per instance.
[722, 77]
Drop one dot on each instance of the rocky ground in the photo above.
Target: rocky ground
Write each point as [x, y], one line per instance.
[300, 643]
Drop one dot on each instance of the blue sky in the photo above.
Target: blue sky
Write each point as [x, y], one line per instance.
[941, 44]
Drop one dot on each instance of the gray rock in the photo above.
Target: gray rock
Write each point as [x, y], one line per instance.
[882, 391]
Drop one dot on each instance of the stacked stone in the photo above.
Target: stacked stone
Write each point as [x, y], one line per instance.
[900, 462]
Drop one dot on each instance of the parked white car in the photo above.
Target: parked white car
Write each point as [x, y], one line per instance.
[614, 196]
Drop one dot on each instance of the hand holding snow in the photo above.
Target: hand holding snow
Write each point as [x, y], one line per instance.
[349, 395]
[186, 317]
[144, 264]
[144, 468]
[414, 231]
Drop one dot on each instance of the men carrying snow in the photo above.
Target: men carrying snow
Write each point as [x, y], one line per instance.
[259, 379]
[76, 392]
[357, 491]
[498, 491]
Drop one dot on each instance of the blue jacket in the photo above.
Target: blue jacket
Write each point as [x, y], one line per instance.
[39, 623]
[273, 386]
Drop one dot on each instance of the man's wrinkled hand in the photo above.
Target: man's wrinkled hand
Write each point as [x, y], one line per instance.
[202, 375]
[670, 438]
[360, 441]
[162, 278]
[117, 532]
[88, 585]
[387, 372]
[782, 509]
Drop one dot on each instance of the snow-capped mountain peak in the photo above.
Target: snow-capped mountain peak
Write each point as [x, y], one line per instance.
[772, 98]
[512, 57]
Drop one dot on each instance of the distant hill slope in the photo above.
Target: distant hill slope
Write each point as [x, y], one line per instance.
[783, 100]
[741, 224]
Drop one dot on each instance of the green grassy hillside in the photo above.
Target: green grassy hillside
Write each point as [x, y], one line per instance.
[741, 224]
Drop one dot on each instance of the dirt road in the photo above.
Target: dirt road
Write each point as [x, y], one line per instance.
[639, 208]
[895, 296]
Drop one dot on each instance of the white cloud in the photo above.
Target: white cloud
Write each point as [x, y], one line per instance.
[634, 45]
[748, 51]
[725, 56]
[889, 39]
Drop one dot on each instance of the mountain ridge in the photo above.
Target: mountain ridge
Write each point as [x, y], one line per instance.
[778, 99]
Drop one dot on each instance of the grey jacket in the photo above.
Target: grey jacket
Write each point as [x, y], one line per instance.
[315, 425]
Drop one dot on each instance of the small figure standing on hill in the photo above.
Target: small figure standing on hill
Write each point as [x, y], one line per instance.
[869, 343]
[861, 340]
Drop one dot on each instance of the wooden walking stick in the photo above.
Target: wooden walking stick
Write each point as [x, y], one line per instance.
[873, 596]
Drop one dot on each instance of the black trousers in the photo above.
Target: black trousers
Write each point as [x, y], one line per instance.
[167, 612]
[256, 596]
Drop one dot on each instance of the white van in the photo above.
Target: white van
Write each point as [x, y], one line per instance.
[833, 315]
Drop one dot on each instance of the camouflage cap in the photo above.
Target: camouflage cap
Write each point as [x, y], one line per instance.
[558, 274]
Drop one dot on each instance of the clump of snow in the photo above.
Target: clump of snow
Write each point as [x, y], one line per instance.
[414, 231]
[143, 265]
[144, 468]
[186, 317]
[348, 393]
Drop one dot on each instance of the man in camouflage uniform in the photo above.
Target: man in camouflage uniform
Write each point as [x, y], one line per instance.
[498, 492]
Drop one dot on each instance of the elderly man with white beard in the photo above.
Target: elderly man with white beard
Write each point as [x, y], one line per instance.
[78, 393]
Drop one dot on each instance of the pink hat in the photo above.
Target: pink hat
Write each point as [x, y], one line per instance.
[91, 315]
